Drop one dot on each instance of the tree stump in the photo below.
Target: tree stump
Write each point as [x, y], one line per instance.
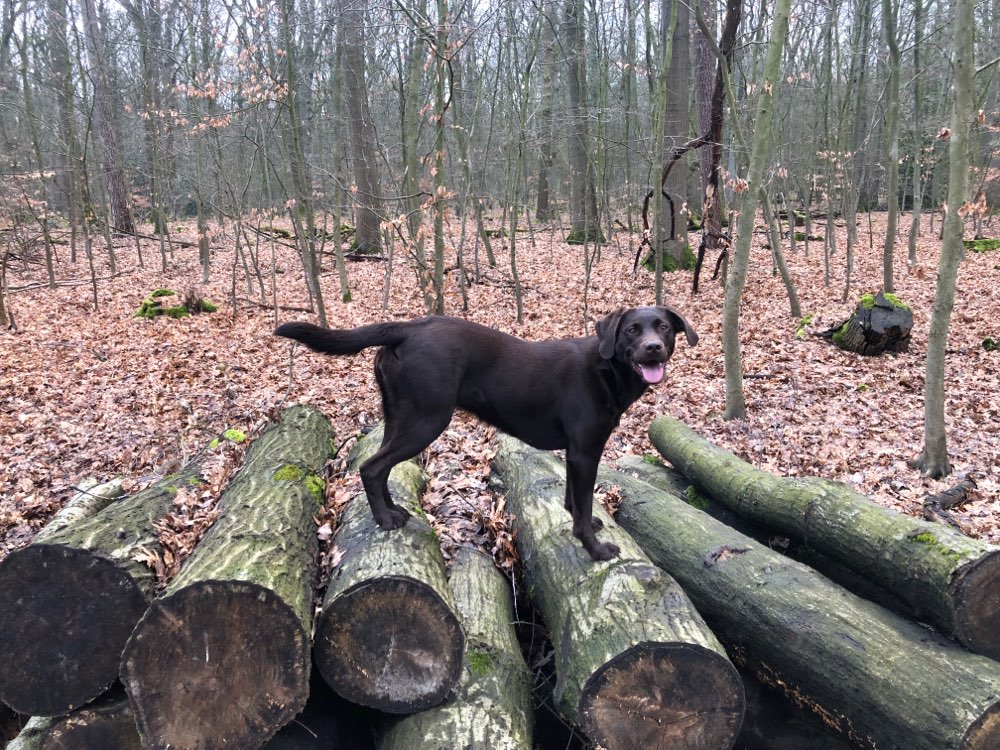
[881, 323]
[221, 659]
[637, 666]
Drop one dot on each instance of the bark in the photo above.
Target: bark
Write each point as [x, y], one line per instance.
[735, 402]
[948, 579]
[353, 40]
[583, 196]
[636, 665]
[101, 726]
[934, 458]
[547, 64]
[388, 636]
[30, 738]
[69, 600]
[889, 12]
[877, 679]
[222, 658]
[491, 705]
[111, 160]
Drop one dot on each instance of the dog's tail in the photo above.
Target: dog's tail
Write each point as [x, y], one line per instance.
[343, 341]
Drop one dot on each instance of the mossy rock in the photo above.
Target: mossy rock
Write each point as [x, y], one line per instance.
[276, 231]
[802, 237]
[991, 345]
[983, 245]
[687, 261]
[593, 236]
[494, 233]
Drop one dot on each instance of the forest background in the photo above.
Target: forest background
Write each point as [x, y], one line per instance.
[356, 160]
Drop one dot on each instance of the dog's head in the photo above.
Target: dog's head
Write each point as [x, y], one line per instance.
[643, 338]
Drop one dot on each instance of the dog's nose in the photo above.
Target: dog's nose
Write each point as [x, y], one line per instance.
[653, 346]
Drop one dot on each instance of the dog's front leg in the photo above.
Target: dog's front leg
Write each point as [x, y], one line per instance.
[581, 472]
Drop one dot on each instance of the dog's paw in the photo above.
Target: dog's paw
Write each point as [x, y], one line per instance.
[394, 518]
[604, 551]
[596, 524]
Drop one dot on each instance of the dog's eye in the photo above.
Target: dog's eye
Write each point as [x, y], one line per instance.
[632, 331]
[664, 327]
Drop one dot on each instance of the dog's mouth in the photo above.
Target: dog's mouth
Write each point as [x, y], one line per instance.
[651, 372]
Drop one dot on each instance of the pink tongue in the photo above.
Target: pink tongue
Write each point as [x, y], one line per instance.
[652, 373]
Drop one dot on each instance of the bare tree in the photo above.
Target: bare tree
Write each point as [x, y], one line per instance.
[368, 195]
[111, 160]
[933, 460]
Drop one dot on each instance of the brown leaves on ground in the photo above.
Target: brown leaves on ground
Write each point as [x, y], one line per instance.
[100, 393]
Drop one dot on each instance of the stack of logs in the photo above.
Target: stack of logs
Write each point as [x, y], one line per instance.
[643, 645]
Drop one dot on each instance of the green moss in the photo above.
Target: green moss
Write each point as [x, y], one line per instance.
[926, 537]
[838, 337]
[983, 245]
[234, 436]
[800, 332]
[695, 499]
[288, 473]
[581, 237]
[895, 301]
[687, 261]
[991, 345]
[317, 487]
[868, 301]
[862, 387]
[176, 312]
[207, 306]
[480, 663]
[653, 459]
[162, 293]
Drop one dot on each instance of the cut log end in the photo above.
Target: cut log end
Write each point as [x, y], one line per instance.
[95, 728]
[390, 643]
[65, 615]
[664, 695]
[985, 733]
[977, 600]
[200, 675]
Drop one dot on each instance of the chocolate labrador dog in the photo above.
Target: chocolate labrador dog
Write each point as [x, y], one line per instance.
[566, 393]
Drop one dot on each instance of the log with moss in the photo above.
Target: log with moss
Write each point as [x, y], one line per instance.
[30, 737]
[388, 636]
[881, 323]
[69, 600]
[874, 677]
[946, 578]
[636, 665]
[491, 706]
[221, 659]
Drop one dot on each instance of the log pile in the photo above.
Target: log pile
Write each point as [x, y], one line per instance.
[222, 657]
[944, 577]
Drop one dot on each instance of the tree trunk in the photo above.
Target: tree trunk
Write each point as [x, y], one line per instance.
[583, 199]
[30, 738]
[491, 705]
[114, 173]
[636, 665]
[388, 636]
[872, 676]
[948, 579]
[368, 194]
[543, 209]
[105, 725]
[69, 600]
[735, 402]
[933, 460]
[222, 658]
[889, 11]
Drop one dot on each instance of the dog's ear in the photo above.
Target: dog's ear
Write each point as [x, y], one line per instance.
[607, 333]
[681, 324]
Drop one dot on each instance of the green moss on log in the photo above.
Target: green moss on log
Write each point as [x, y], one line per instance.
[982, 245]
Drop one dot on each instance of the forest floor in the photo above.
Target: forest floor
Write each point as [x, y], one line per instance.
[87, 393]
